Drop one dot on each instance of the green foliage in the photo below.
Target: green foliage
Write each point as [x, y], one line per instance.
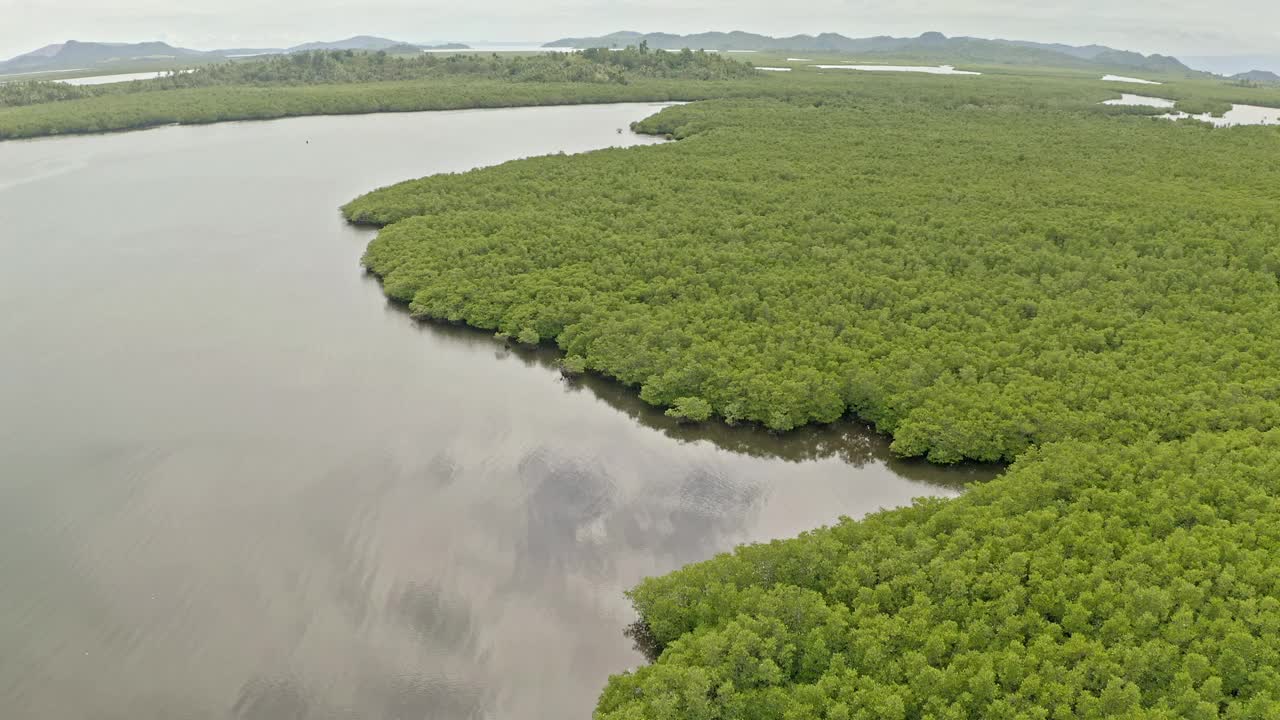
[692, 409]
[350, 66]
[573, 365]
[218, 104]
[973, 276]
[983, 278]
[345, 81]
[1090, 581]
[528, 336]
[593, 66]
[33, 92]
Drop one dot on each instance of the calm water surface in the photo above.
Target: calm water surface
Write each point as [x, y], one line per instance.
[1125, 79]
[236, 483]
[1140, 101]
[939, 70]
[107, 79]
[1237, 115]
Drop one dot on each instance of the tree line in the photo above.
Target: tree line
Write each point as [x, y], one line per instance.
[353, 67]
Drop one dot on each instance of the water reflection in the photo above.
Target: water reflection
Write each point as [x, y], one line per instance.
[850, 441]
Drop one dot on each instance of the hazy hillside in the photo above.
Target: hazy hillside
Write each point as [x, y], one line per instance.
[1234, 64]
[1265, 77]
[1083, 52]
[929, 45]
[74, 55]
[359, 42]
[933, 46]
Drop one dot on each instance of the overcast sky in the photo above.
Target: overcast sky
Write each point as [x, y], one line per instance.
[1168, 26]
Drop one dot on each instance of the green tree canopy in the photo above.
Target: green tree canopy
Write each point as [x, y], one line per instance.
[975, 279]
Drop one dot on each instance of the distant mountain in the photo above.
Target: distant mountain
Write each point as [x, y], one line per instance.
[1138, 61]
[246, 52]
[74, 55]
[1234, 64]
[1110, 57]
[47, 51]
[1265, 77]
[359, 42]
[1083, 52]
[928, 45]
[708, 41]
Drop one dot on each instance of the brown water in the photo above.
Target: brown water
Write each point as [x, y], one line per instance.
[236, 483]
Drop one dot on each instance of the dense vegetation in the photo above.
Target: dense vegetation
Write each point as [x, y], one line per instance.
[219, 104]
[1000, 270]
[343, 82]
[1091, 581]
[34, 92]
[322, 68]
[973, 277]
[591, 66]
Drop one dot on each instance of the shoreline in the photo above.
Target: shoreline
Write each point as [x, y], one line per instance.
[291, 116]
[985, 471]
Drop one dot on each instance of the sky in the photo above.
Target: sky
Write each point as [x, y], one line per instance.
[1165, 26]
